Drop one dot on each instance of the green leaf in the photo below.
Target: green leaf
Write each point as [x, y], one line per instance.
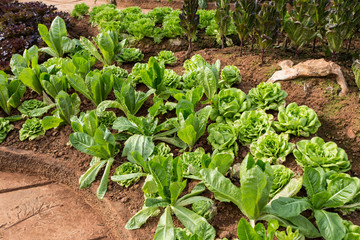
[330, 225]
[223, 189]
[104, 180]
[208, 81]
[49, 122]
[290, 207]
[165, 228]
[138, 143]
[246, 232]
[57, 32]
[91, 48]
[141, 217]
[89, 176]
[312, 181]
[28, 77]
[188, 135]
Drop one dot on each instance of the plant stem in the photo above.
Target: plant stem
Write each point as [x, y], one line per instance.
[241, 47]
[252, 223]
[262, 55]
[333, 56]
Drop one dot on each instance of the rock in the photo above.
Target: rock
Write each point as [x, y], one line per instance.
[350, 133]
[225, 234]
[310, 68]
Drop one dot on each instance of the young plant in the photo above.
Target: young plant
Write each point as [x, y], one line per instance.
[229, 104]
[80, 10]
[223, 18]
[153, 77]
[27, 69]
[324, 191]
[96, 86]
[267, 96]
[167, 183]
[252, 125]
[272, 148]
[34, 108]
[108, 43]
[317, 153]
[244, 18]
[222, 137]
[129, 55]
[96, 140]
[289, 234]
[31, 129]
[282, 176]
[127, 99]
[297, 120]
[5, 128]
[189, 20]
[53, 84]
[257, 232]
[11, 93]
[266, 26]
[56, 38]
[167, 57]
[126, 169]
[229, 76]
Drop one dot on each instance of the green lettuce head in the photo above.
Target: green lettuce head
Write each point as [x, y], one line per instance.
[195, 159]
[31, 129]
[204, 208]
[282, 176]
[317, 153]
[229, 76]
[171, 79]
[253, 124]
[5, 128]
[128, 168]
[222, 137]
[272, 148]
[267, 96]
[229, 103]
[297, 120]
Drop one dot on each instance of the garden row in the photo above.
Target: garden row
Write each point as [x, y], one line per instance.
[268, 190]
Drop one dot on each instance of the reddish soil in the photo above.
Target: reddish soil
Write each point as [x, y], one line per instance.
[51, 157]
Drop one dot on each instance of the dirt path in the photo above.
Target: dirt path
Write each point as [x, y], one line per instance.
[35, 208]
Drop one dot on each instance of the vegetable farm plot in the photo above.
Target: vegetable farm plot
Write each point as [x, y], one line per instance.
[164, 123]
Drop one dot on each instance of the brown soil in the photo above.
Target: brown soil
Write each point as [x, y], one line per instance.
[51, 157]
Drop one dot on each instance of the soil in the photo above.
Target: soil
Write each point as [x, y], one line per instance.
[51, 157]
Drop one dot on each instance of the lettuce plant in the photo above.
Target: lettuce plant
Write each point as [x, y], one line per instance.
[108, 44]
[141, 28]
[252, 124]
[135, 75]
[229, 76]
[11, 93]
[297, 120]
[222, 137]
[223, 18]
[352, 231]
[204, 208]
[171, 25]
[189, 20]
[205, 17]
[106, 118]
[167, 57]
[127, 168]
[267, 96]
[96, 86]
[80, 10]
[158, 14]
[154, 76]
[53, 84]
[167, 184]
[318, 153]
[282, 176]
[172, 79]
[229, 104]
[5, 128]
[96, 140]
[56, 38]
[257, 232]
[31, 129]
[289, 234]
[34, 108]
[324, 191]
[272, 148]
[129, 55]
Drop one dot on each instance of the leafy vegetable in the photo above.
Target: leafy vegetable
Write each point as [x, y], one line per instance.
[267, 96]
[223, 18]
[153, 77]
[282, 176]
[127, 168]
[135, 75]
[31, 129]
[34, 108]
[229, 104]
[10, 93]
[317, 153]
[56, 38]
[106, 118]
[96, 86]
[204, 208]
[297, 120]
[172, 79]
[229, 76]
[80, 10]
[289, 234]
[167, 57]
[222, 137]
[141, 28]
[5, 128]
[257, 232]
[162, 149]
[272, 148]
[129, 55]
[352, 231]
[252, 124]
[189, 20]
[108, 44]
[158, 14]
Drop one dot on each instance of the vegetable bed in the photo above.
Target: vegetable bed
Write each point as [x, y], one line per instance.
[204, 121]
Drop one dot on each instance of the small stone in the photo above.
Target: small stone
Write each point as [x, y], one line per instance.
[350, 133]
[124, 200]
[224, 234]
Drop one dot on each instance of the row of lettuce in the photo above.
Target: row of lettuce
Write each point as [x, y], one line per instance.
[268, 190]
[261, 22]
